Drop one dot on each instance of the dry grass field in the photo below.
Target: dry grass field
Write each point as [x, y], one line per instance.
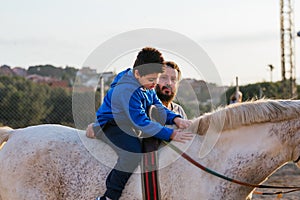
[289, 175]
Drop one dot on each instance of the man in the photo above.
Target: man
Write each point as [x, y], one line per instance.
[166, 88]
[124, 117]
[236, 97]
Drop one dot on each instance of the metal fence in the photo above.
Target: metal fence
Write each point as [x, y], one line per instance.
[25, 103]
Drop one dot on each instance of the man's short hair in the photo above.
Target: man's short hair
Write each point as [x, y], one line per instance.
[148, 61]
[174, 66]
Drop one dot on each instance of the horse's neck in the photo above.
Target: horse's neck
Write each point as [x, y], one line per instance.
[253, 150]
[246, 154]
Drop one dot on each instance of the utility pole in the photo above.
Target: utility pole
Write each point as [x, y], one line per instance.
[287, 48]
[101, 89]
[238, 94]
[271, 72]
[237, 89]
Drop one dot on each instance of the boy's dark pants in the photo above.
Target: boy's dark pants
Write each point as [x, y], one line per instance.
[128, 149]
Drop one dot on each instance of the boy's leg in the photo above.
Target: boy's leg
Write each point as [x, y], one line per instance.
[128, 149]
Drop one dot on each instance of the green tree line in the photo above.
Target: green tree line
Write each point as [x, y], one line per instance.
[266, 90]
[25, 103]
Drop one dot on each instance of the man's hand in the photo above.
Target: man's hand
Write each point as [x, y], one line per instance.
[181, 136]
[182, 123]
[90, 131]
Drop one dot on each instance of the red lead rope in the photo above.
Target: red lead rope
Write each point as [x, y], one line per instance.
[150, 177]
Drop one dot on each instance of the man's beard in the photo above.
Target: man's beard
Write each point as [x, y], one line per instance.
[167, 98]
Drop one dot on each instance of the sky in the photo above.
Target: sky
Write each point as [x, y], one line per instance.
[241, 37]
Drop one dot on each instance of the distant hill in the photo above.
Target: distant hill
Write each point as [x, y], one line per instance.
[67, 74]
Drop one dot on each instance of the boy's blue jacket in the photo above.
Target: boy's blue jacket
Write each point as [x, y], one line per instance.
[128, 103]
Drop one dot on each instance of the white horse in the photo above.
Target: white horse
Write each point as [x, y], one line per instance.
[53, 162]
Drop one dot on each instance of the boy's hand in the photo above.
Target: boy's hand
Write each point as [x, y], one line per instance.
[182, 123]
[181, 136]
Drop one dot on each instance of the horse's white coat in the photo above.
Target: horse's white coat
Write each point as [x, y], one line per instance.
[56, 163]
[4, 135]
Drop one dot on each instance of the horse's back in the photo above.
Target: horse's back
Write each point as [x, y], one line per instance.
[49, 162]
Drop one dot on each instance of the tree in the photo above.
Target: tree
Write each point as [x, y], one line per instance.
[22, 102]
[268, 90]
[60, 105]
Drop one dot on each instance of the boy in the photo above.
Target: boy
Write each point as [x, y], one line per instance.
[123, 118]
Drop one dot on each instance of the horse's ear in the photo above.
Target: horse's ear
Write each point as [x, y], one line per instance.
[203, 125]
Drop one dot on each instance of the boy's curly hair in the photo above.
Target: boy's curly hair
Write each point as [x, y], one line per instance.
[148, 61]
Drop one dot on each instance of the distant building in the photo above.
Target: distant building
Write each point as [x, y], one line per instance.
[87, 71]
[107, 76]
[87, 77]
[52, 82]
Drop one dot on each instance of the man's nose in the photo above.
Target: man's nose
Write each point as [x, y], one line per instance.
[168, 81]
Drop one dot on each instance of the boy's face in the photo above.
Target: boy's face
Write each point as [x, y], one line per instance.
[148, 81]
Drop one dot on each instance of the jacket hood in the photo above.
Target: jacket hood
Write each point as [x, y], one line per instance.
[125, 77]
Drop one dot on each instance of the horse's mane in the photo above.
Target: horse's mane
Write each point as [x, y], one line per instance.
[247, 113]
